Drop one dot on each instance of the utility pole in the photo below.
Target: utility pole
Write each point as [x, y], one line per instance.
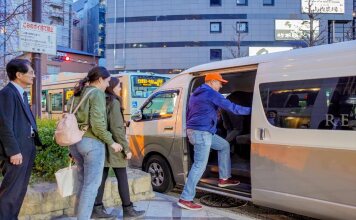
[5, 30]
[36, 62]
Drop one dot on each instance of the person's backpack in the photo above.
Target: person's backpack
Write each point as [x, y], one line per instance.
[67, 131]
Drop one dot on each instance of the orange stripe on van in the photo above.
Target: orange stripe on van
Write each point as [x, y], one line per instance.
[136, 143]
[292, 157]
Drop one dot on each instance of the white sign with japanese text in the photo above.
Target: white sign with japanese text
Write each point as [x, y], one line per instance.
[294, 29]
[37, 38]
[323, 6]
[252, 51]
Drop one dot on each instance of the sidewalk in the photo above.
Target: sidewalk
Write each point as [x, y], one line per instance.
[165, 207]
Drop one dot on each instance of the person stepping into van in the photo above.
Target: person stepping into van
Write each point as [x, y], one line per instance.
[201, 129]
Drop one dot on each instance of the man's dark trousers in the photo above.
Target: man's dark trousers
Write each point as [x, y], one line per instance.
[14, 185]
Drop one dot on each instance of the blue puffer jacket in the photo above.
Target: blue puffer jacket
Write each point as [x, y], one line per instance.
[203, 106]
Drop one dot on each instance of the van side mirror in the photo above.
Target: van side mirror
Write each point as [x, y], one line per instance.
[137, 115]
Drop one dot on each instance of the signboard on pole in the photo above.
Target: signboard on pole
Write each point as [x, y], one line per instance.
[294, 29]
[252, 51]
[37, 38]
[323, 6]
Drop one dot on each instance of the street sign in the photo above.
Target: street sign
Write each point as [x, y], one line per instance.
[37, 38]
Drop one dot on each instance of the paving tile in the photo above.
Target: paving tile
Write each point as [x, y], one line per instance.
[163, 207]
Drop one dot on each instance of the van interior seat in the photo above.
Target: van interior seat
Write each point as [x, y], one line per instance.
[238, 126]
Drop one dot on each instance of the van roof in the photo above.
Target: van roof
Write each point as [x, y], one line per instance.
[320, 51]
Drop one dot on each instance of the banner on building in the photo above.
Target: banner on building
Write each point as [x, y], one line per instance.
[323, 6]
[37, 38]
[252, 51]
[294, 29]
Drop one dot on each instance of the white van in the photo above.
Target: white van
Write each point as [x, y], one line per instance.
[296, 152]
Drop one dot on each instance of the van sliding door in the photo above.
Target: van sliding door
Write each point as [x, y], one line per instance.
[303, 155]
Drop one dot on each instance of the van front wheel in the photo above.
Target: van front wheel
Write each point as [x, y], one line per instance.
[161, 176]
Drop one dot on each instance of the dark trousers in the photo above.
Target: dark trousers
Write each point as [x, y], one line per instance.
[14, 185]
[122, 183]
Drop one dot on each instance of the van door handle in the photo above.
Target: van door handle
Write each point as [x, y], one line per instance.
[168, 128]
[262, 133]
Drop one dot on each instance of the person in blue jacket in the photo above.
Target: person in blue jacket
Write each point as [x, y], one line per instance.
[201, 127]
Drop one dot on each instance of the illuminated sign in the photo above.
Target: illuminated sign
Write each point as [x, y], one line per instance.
[265, 50]
[294, 29]
[323, 6]
[148, 81]
[69, 94]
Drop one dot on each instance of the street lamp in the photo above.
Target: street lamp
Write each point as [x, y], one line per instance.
[354, 24]
[120, 67]
[96, 48]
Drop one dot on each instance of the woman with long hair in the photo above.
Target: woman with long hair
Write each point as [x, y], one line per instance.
[89, 153]
[116, 160]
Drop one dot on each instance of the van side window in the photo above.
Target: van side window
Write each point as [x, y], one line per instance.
[160, 106]
[328, 103]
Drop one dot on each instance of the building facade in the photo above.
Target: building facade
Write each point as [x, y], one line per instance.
[170, 36]
[91, 18]
[59, 13]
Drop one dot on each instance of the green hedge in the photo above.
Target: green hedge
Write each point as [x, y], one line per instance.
[51, 157]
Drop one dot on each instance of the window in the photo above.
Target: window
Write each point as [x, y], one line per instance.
[161, 106]
[44, 100]
[343, 31]
[53, 70]
[215, 2]
[57, 102]
[311, 104]
[143, 86]
[241, 2]
[215, 54]
[215, 27]
[56, 20]
[268, 2]
[241, 27]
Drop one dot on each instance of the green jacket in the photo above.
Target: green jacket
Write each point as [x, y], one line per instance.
[92, 114]
[118, 130]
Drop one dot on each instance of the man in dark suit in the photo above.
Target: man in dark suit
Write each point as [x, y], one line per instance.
[18, 136]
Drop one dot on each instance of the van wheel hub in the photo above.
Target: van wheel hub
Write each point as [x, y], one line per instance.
[157, 175]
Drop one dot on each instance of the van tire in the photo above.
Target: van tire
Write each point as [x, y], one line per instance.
[161, 175]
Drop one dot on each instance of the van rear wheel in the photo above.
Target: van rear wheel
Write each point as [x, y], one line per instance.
[161, 176]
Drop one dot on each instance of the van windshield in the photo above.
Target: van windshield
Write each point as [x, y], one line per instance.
[143, 86]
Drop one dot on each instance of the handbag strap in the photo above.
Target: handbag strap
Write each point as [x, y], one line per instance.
[70, 163]
[81, 101]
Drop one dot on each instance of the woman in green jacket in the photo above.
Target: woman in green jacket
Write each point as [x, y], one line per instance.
[89, 153]
[116, 160]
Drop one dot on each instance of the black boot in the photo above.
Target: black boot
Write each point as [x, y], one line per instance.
[131, 213]
[99, 211]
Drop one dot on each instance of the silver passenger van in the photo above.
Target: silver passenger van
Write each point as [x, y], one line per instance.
[297, 150]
